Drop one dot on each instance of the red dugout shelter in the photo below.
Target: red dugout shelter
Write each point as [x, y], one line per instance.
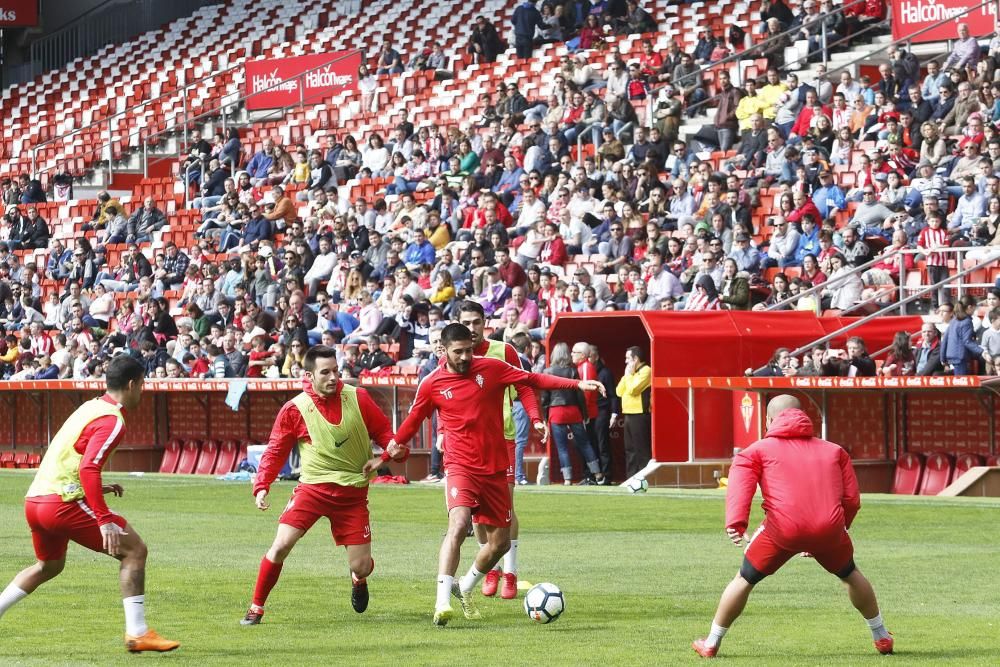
[706, 344]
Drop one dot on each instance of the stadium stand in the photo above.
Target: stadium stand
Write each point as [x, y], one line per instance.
[142, 268]
[188, 458]
[207, 458]
[228, 452]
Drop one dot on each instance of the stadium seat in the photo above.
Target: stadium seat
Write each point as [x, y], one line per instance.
[966, 461]
[909, 470]
[189, 457]
[227, 460]
[34, 460]
[207, 457]
[20, 459]
[993, 460]
[171, 453]
[7, 459]
[937, 474]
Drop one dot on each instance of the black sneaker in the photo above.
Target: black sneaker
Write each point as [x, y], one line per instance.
[253, 617]
[359, 596]
[586, 481]
[604, 481]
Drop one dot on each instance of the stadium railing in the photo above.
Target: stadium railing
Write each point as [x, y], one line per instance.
[181, 92]
[744, 55]
[928, 289]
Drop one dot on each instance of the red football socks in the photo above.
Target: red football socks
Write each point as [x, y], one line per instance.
[267, 577]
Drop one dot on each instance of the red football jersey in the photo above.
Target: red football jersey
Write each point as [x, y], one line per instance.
[470, 410]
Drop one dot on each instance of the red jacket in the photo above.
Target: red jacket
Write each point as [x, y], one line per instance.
[808, 208]
[289, 428]
[809, 487]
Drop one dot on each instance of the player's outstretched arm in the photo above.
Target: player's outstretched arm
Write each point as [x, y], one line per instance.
[279, 446]
[593, 385]
[743, 479]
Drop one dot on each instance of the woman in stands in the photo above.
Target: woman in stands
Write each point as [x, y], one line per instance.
[349, 160]
[843, 286]
[102, 308]
[900, 360]
[779, 292]
[811, 271]
[376, 156]
[735, 292]
[674, 258]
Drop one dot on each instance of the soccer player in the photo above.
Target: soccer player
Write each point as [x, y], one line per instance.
[810, 499]
[66, 502]
[467, 392]
[333, 424]
[472, 315]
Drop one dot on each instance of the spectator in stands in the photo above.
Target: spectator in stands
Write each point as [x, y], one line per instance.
[901, 359]
[735, 291]
[144, 221]
[389, 60]
[958, 345]
[32, 191]
[780, 293]
[784, 242]
[484, 43]
[931, 239]
[965, 51]
[259, 167]
[82, 269]
[843, 286]
[566, 411]
[928, 355]
[855, 252]
[687, 80]
[36, 235]
[726, 121]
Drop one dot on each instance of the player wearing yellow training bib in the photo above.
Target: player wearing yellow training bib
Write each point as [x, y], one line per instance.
[333, 424]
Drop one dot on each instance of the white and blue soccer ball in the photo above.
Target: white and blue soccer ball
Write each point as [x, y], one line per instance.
[637, 485]
[544, 603]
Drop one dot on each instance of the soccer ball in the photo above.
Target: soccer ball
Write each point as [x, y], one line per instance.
[638, 485]
[544, 603]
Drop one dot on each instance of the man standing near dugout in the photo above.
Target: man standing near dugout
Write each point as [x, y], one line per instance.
[810, 500]
[333, 424]
[66, 502]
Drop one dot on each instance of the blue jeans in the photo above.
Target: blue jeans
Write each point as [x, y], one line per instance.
[559, 435]
[401, 186]
[521, 428]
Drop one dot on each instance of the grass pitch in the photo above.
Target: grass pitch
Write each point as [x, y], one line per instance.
[641, 575]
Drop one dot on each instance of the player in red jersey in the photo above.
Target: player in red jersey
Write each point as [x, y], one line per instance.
[333, 424]
[471, 315]
[467, 391]
[810, 499]
[66, 502]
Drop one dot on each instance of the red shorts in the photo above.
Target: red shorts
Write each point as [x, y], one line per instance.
[510, 467]
[345, 506]
[834, 552]
[54, 524]
[488, 495]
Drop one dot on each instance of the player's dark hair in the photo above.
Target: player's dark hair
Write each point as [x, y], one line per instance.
[317, 352]
[469, 306]
[455, 332]
[122, 371]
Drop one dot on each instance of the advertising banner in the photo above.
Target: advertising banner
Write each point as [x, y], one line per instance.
[909, 16]
[276, 82]
[18, 13]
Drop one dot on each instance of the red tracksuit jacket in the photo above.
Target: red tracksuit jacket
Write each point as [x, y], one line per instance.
[808, 484]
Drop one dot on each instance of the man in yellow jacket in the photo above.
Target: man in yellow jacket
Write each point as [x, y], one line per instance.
[633, 389]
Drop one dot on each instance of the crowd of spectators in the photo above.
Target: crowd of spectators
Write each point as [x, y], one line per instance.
[502, 211]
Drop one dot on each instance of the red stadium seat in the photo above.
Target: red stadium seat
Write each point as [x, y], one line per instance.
[993, 460]
[909, 469]
[34, 460]
[171, 454]
[966, 461]
[937, 474]
[227, 460]
[206, 459]
[20, 459]
[7, 459]
[189, 457]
